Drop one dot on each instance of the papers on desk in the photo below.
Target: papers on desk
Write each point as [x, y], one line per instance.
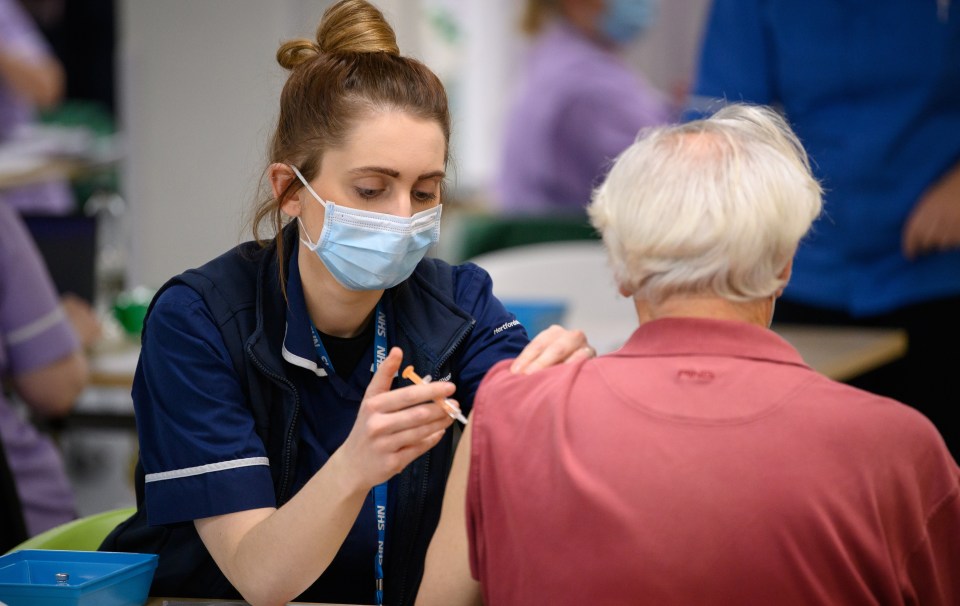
[33, 148]
[43, 140]
[119, 362]
[15, 164]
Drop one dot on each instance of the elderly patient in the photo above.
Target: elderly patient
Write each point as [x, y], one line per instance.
[704, 462]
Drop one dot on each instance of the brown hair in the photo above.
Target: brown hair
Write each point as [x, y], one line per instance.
[535, 14]
[352, 69]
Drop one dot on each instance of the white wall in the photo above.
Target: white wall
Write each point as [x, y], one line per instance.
[198, 92]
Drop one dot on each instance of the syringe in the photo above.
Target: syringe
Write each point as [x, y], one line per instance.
[445, 403]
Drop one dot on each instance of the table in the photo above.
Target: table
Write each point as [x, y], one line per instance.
[49, 152]
[843, 352]
[114, 366]
[36, 170]
[106, 402]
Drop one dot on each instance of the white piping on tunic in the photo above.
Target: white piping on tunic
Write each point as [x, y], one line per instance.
[202, 469]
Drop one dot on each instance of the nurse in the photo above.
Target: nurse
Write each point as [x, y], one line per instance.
[282, 455]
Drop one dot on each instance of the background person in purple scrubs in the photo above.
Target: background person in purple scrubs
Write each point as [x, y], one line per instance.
[43, 367]
[578, 106]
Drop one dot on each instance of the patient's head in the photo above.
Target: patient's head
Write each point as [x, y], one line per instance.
[711, 207]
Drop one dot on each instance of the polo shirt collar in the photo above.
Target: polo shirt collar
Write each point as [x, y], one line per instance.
[704, 336]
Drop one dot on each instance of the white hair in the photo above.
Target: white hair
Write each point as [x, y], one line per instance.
[715, 206]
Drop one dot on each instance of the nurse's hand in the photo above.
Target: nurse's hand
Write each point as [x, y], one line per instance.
[552, 346]
[394, 427]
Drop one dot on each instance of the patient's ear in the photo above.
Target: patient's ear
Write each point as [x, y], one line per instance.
[281, 176]
[785, 276]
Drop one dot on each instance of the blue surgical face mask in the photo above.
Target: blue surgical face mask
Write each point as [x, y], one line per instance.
[623, 20]
[366, 250]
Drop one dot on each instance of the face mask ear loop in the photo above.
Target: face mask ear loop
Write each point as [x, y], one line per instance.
[307, 185]
[309, 241]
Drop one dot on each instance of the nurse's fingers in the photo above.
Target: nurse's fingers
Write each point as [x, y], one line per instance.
[552, 346]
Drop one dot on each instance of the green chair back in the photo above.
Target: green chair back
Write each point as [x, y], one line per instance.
[83, 534]
[479, 234]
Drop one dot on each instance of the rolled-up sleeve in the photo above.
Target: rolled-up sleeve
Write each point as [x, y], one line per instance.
[34, 331]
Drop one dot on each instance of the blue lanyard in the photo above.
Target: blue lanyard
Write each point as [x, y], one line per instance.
[380, 505]
[380, 490]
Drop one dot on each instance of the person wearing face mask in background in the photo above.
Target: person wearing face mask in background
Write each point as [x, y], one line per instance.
[578, 104]
[281, 455]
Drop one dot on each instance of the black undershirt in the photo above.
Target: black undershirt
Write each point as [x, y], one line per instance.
[346, 352]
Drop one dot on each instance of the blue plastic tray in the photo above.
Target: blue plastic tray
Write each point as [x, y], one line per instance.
[29, 578]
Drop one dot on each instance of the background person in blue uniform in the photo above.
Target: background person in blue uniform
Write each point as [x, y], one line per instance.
[264, 398]
[873, 91]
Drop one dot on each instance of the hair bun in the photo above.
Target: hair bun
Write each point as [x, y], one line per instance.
[355, 26]
[294, 52]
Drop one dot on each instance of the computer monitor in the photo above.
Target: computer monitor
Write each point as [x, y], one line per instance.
[68, 244]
